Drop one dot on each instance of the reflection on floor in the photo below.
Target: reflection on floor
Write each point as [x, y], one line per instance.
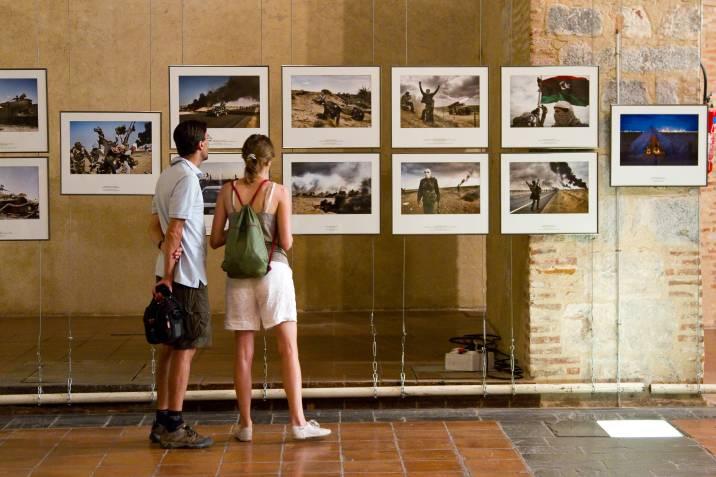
[468, 442]
[335, 348]
[710, 363]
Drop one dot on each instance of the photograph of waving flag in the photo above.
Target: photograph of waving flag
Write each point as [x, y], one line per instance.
[573, 89]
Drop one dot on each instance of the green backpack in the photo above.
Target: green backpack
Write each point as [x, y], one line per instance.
[246, 255]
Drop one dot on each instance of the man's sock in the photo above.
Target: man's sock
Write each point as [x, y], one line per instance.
[174, 420]
[161, 416]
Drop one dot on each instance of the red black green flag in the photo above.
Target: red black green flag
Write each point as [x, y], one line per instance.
[573, 89]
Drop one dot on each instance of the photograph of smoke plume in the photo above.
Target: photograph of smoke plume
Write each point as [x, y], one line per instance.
[659, 140]
[549, 101]
[549, 187]
[319, 188]
[220, 101]
[439, 101]
[440, 188]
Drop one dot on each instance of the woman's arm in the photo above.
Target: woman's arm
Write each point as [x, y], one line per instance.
[218, 234]
[283, 215]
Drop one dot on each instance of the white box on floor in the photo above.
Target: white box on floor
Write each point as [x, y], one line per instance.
[467, 361]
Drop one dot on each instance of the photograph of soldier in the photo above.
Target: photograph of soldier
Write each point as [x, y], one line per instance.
[659, 139]
[331, 188]
[220, 101]
[334, 101]
[19, 192]
[431, 101]
[440, 188]
[110, 147]
[557, 101]
[549, 187]
[18, 105]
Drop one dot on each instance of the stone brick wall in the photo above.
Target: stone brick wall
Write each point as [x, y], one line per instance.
[578, 282]
[708, 194]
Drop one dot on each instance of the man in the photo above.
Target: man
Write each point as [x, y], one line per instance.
[564, 115]
[427, 114]
[406, 101]
[177, 229]
[535, 194]
[429, 193]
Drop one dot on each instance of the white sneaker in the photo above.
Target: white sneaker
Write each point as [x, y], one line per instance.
[311, 430]
[244, 434]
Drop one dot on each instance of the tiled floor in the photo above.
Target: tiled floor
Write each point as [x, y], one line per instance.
[428, 442]
[335, 348]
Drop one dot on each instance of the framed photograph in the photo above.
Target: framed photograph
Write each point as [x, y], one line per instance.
[110, 152]
[218, 169]
[333, 193]
[23, 110]
[331, 106]
[440, 193]
[24, 211]
[439, 106]
[550, 106]
[549, 193]
[232, 100]
[659, 145]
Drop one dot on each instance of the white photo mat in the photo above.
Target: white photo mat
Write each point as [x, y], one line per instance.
[549, 137]
[439, 137]
[663, 175]
[221, 138]
[27, 141]
[329, 137]
[225, 163]
[441, 223]
[109, 184]
[336, 224]
[549, 223]
[26, 229]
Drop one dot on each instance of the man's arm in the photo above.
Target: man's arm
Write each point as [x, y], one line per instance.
[172, 241]
[420, 191]
[436, 90]
[437, 190]
[420, 85]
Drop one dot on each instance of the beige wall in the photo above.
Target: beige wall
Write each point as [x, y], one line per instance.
[113, 55]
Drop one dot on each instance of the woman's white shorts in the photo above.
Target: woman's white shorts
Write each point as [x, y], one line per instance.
[269, 300]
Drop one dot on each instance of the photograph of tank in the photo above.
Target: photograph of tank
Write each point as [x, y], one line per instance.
[331, 101]
[24, 212]
[331, 188]
[440, 188]
[549, 101]
[19, 192]
[18, 105]
[23, 110]
[221, 101]
[439, 101]
[659, 139]
[550, 106]
[549, 187]
[110, 147]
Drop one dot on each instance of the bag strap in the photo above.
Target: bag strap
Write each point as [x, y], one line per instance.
[233, 186]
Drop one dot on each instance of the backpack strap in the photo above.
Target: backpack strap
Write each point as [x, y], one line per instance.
[257, 191]
[233, 186]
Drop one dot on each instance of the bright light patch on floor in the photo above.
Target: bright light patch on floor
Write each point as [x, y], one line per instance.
[639, 428]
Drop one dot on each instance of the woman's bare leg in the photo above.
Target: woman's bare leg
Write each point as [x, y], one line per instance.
[286, 334]
[244, 357]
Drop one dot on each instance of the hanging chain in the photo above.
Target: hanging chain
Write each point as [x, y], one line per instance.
[372, 322]
[512, 327]
[265, 386]
[70, 339]
[591, 322]
[403, 335]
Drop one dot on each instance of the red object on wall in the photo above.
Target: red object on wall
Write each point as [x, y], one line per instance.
[712, 138]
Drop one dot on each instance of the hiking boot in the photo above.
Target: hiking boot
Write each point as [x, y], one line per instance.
[244, 434]
[157, 431]
[184, 438]
[311, 430]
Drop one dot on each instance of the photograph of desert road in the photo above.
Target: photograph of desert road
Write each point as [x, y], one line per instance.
[549, 187]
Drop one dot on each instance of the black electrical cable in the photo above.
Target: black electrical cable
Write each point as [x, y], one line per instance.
[707, 95]
[478, 342]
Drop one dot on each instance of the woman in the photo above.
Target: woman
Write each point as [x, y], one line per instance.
[270, 300]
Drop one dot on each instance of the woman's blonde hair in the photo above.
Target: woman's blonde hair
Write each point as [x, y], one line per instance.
[257, 153]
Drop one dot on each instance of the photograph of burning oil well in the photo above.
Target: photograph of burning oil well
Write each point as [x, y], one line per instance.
[220, 101]
[331, 188]
[334, 101]
[549, 187]
[440, 188]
